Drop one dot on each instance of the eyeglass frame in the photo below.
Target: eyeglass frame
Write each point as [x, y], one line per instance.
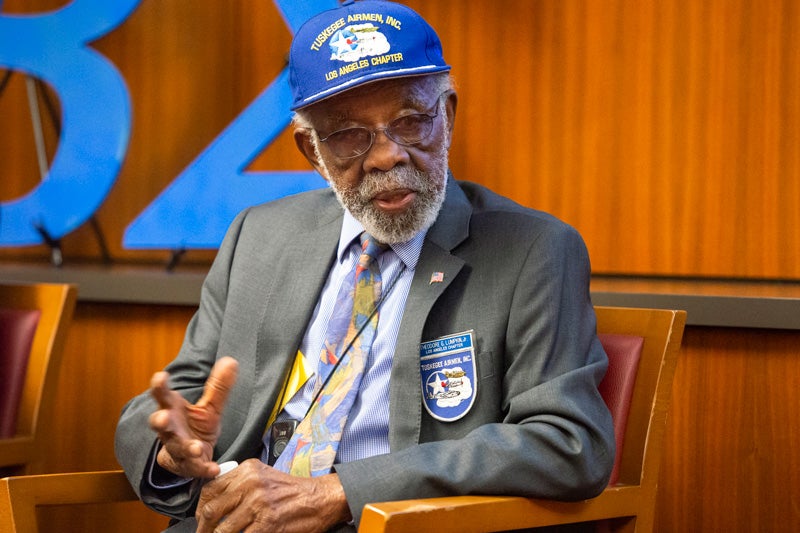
[386, 130]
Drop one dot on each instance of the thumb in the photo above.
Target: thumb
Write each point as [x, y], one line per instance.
[219, 384]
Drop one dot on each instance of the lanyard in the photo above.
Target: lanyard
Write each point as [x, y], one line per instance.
[384, 295]
[298, 375]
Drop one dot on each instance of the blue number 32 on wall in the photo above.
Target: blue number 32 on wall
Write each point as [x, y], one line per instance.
[196, 208]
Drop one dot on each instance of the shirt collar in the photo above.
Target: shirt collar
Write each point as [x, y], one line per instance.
[408, 251]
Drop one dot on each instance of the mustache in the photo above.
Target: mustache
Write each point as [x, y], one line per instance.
[396, 178]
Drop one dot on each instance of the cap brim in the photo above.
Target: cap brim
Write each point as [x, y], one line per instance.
[375, 76]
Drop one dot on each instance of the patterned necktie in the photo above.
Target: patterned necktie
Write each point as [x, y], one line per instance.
[312, 449]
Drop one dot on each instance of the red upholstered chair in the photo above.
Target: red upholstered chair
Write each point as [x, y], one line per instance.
[17, 328]
[33, 322]
[639, 391]
[624, 353]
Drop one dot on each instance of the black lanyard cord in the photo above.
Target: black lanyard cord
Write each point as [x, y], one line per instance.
[384, 295]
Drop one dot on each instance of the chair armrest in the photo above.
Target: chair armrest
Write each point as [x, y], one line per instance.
[19, 496]
[494, 513]
[16, 451]
[71, 488]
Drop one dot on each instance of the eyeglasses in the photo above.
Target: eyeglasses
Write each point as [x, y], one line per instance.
[407, 130]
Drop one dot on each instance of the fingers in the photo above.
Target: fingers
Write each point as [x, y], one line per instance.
[255, 497]
[169, 402]
[160, 391]
[219, 384]
[160, 422]
[180, 453]
[189, 432]
[226, 503]
[175, 458]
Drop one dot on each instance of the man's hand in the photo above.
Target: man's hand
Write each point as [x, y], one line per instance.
[189, 432]
[255, 497]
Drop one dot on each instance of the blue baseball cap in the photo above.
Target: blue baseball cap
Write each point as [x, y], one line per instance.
[358, 43]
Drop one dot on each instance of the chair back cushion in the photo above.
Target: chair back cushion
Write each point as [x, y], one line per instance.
[624, 352]
[17, 328]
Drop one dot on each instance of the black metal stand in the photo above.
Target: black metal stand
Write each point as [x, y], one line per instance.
[175, 258]
[54, 244]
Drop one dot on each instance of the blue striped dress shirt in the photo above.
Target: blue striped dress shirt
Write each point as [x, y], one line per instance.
[367, 430]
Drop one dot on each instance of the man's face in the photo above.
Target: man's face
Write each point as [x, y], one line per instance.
[394, 190]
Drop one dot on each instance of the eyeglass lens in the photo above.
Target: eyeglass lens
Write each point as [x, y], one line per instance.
[406, 130]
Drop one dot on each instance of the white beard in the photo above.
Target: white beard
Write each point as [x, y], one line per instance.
[393, 228]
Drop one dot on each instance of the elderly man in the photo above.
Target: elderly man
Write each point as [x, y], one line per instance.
[398, 335]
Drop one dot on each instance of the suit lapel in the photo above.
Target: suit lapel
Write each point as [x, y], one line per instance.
[290, 302]
[450, 229]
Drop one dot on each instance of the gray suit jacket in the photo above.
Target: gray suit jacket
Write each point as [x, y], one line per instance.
[519, 278]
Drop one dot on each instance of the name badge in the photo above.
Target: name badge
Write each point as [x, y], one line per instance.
[447, 367]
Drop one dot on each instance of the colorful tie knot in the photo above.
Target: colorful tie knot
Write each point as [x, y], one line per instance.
[371, 248]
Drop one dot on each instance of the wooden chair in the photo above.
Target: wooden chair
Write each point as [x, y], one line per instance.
[20, 496]
[630, 501]
[35, 318]
[632, 498]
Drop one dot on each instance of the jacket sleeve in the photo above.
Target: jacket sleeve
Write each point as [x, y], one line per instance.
[135, 443]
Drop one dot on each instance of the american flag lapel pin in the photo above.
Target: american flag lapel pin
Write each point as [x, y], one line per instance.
[437, 277]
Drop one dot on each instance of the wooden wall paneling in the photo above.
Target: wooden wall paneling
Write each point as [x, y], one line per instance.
[670, 126]
[113, 348]
[650, 121]
[732, 456]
